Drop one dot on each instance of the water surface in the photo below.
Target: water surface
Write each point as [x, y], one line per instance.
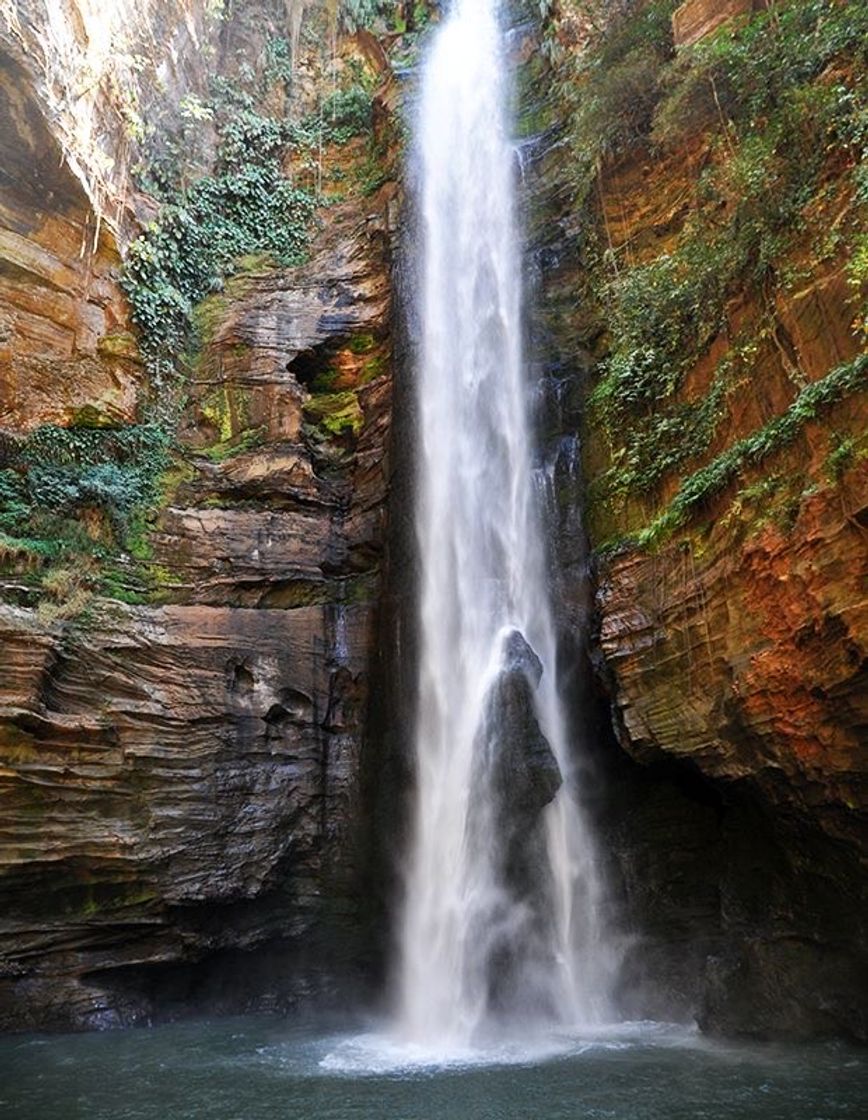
[265, 1069]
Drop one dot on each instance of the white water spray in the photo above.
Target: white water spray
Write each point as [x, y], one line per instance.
[502, 922]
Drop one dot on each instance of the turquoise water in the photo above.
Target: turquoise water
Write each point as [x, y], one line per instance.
[265, 1069]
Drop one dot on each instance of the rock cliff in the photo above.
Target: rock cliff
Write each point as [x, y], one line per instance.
[712, 238]
[206, 559]
[184, 681]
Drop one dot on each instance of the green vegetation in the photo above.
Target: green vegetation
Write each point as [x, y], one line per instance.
[660, 442]
[609, 94]
[335, 414]
[72, 499]
[384, 15]
[774, 106]
[246, 206]
[239, 183]
[857, 277]
[342, 115]
[843, 455]
[361, 344]
[228, 448]
[356, 14]
[57, 472]
[665, 314]
[184, 254]
[346, 113]
[755, 77]
[711, 479]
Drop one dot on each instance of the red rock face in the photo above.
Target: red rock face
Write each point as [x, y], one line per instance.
[744, 652]
[697, 18]
[65, 340]
[737, 652]
[732, 653]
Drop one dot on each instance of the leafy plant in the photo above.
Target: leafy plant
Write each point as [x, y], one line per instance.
[843, 381]
[54, 473]
[664, 315]
[357, 14]
[346, 113]
[246, 206]
[184, 254]
[611, 92]
[779, 101]
[752, 71]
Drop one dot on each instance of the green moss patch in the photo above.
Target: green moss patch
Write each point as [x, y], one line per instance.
[238, 444]
[335, 414]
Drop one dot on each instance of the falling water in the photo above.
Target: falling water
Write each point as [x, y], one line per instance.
[502, 921]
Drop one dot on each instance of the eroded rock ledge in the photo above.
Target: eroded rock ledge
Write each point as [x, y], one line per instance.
[743, 660]
[183, 780]
[184, 824]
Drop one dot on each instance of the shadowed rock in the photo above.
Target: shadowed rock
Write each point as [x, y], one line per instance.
[522, 769]
[517, 776]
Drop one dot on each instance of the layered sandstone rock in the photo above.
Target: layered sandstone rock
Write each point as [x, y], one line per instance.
[183, 817]
[175, 782]
[747, 645]
[65, 341]
[741, 654]
[299, 517]
[733, 651]
[185, 779]
[99, 71]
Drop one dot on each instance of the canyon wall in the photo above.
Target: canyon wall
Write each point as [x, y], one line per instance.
[699, 241]
[206, 460]
[184, 681]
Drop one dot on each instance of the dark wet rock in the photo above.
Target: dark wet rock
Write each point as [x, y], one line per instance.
[521, 767]
[517, 776]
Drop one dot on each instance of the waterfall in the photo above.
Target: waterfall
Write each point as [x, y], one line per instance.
[502, 924]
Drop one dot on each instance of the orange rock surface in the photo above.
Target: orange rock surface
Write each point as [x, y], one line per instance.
[697, 18]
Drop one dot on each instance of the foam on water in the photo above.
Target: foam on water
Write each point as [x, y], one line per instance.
[266, 1068]
[377, 1053]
